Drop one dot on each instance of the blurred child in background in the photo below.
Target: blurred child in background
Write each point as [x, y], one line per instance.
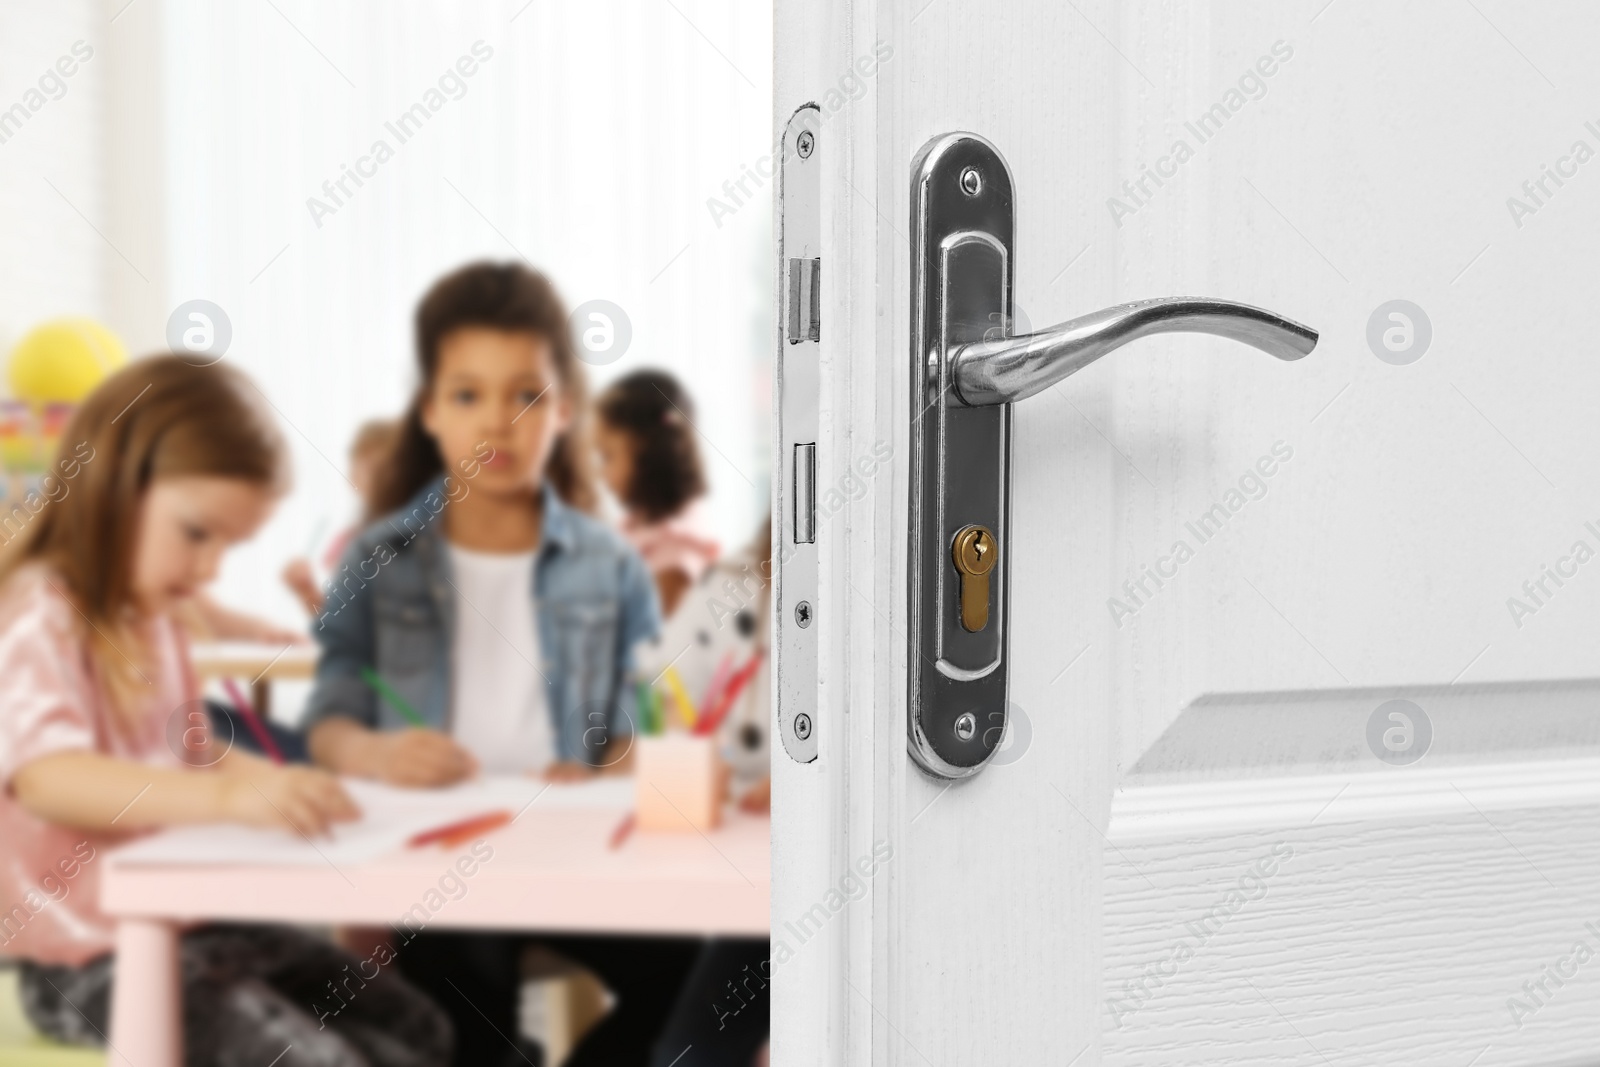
[651, 464]
[369, 451]
[504, 618]
[99, 711]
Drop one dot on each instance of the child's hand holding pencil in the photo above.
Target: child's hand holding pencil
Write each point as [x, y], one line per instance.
[301, 799]
[420, 756]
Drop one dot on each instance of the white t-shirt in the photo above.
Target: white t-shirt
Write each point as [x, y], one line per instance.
[498, 700]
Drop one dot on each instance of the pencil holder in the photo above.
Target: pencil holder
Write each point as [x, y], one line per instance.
[676, 784]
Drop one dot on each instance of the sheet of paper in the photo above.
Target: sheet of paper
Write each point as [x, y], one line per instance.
[389, 817]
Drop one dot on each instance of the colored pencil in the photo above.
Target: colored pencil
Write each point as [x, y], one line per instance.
[718, 680]
[258, 728]
[463, 830]
[468, 833]
[646, 706]
[396, 701]
[713, 717]
[686, 706]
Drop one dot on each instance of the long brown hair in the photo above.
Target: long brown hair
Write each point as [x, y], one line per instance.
[500, 296]
[157, 417]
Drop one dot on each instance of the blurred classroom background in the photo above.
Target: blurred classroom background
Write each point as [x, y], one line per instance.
[196, 152]
[176, 163]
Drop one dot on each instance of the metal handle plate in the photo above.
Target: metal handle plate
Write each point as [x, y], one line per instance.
[963, 223]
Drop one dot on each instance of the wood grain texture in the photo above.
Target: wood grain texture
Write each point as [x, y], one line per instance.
[1374, 163]
[1276, 894]
[991, 917]
[1396, 940]
[808, 1004]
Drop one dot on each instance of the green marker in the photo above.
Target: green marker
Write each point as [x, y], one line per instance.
[396, 701]
[642, 695]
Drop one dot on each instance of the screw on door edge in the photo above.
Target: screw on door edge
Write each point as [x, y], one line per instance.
[971, 181]
[805, 143]
[802, 726]
[966, 726]
[802, 613]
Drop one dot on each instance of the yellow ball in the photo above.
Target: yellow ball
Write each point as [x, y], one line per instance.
[63, 360]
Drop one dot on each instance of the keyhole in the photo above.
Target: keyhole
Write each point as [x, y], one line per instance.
[974, 553]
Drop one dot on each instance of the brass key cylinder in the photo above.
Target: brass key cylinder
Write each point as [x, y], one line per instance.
[975, 553]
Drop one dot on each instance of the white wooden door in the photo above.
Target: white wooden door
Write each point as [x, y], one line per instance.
[1218, 839]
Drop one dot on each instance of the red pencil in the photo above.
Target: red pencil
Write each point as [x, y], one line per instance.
[713, 717]
[624, 828]
[253, 721]
[457, 832]
[718, 681]
[476, 830]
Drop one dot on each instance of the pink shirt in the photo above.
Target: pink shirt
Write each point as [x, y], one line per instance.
[52, 701]
[681, 543]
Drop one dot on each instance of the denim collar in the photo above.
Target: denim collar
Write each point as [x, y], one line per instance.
[558, 529]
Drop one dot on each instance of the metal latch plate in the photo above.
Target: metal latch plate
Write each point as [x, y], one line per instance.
[794, 574]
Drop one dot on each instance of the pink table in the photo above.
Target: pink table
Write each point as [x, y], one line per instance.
[551, 870]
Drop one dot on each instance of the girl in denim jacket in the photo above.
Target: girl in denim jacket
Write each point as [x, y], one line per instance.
[487, 599]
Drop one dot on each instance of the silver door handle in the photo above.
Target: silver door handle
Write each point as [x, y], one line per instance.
[963, 383]
[1014, 368]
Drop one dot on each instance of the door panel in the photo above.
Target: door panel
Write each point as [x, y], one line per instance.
[1360, 523]
[1000, 884]
[1420, 496]
[1270, 899]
